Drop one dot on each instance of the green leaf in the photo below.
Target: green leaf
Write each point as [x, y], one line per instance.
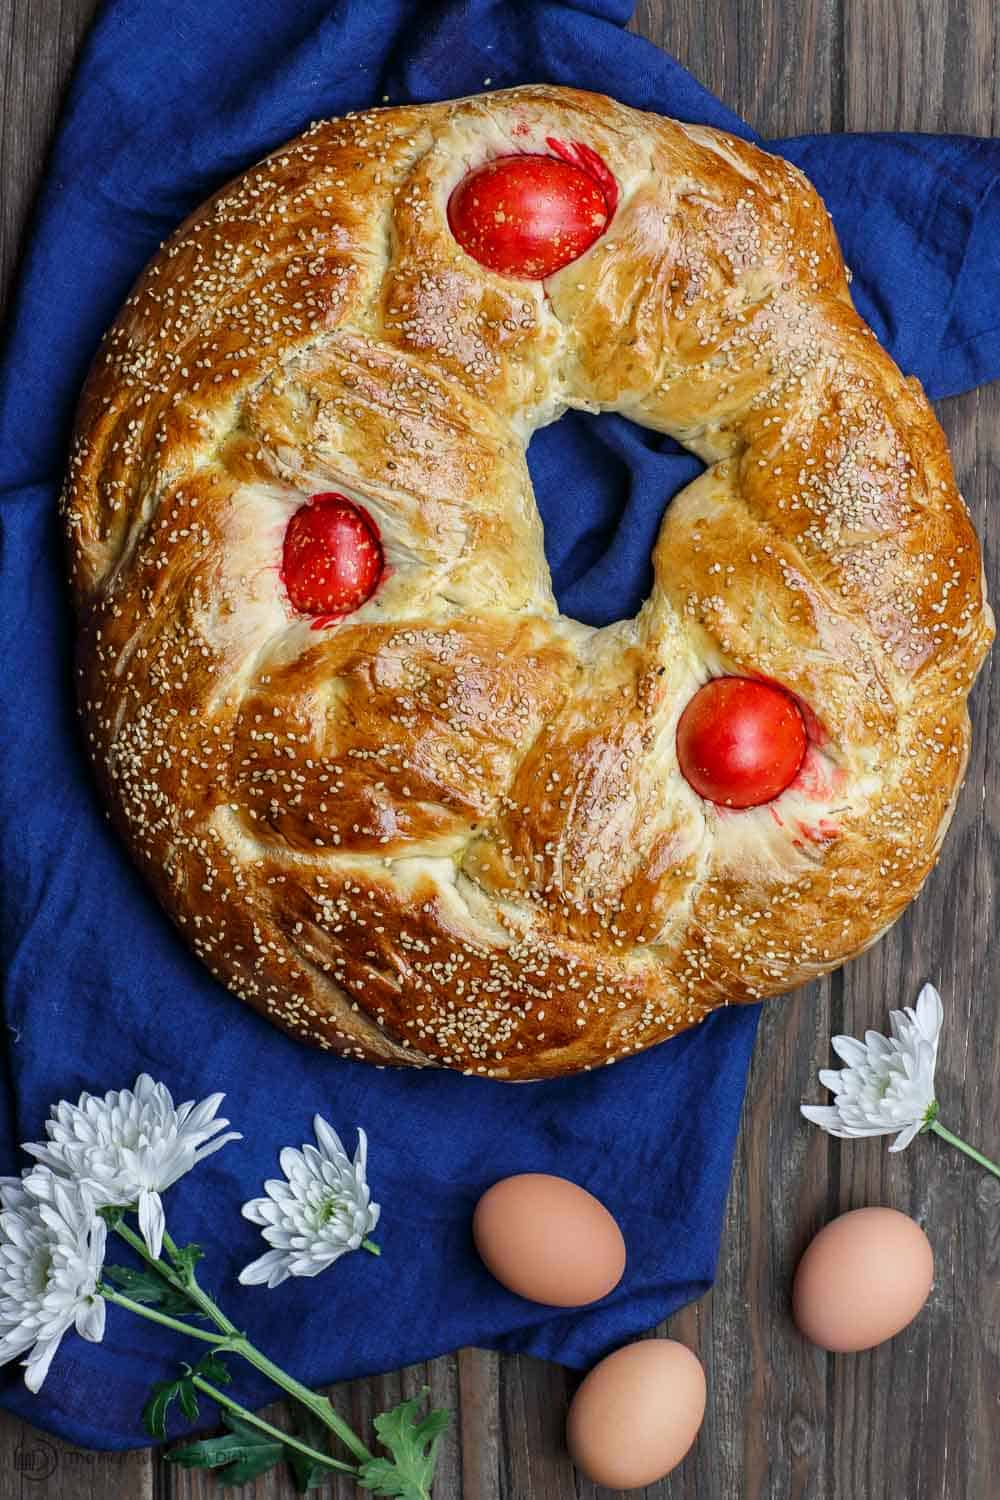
[188, 1397]
[149, 1288]
[211, 1368]
[316, 1434]
[255, 1461]
[165, 1392]
[306, 1475]
[244, 1452]
[245, 1430]
[413, 1445]
[185, 1258]
[237, 1458]
[238, 1455]
[208, 1454]
[183, 1389]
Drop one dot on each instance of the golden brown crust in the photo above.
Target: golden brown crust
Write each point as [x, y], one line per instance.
[451, 829]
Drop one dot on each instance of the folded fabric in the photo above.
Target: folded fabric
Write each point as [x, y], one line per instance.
[172, 97]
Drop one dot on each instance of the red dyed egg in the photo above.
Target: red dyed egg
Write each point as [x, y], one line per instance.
[528, 216]
[741, 742]
[332, 558]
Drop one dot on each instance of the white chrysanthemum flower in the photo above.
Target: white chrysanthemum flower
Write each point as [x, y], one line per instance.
[320, 1213]
[888, 1084]
[51, 1255]
[130, 1146]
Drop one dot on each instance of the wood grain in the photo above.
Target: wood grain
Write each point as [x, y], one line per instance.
[920, 1418]
[35, 1464]
[38, 42]
[931, 68]
[778, 66]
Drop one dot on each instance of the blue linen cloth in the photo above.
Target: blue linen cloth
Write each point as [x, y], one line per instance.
[171, 98]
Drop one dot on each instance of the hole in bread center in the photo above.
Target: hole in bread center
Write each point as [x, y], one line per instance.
[602, 485]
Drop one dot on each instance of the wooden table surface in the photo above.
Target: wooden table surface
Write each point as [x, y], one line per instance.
[918, 1419]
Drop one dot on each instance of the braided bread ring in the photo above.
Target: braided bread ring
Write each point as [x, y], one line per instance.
[450, 828]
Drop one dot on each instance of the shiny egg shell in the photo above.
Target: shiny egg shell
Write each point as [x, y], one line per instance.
[636, 1414]
[862, 1279]
[548, 1240]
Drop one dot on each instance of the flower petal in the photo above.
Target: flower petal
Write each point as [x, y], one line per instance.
[129, 1142]
[851, 1051]
[98, 1244]
[329, 1141]
[930, 1013]
[14, 1343]
[151, 1221]
[878, 1047]
[904, 1137]
[36, 1366]
[319, 1211]
[888, 1086]
[833, 1080]
[254, 1211]
[827, 1116]
[223, 1140]
[292, 1162]
[90, 1319]
[201, 1114]
[270, 1267]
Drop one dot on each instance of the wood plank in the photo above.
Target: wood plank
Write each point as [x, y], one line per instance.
[479, 1424]
[358, 1402]
[923, 1410]
[947, 1445]
[945, 1370]
[780, 67]
[35, 1464]
[533, 1460]
[38, 43]
[920, 66]
[777, 65]
[916, 1418]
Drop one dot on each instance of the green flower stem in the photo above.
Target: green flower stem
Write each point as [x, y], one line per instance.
[285, 1437]
[139, 1246]
[189, 1283]
[954, 1140]
[371, 1247]
[240, 1344]
[157, 1317]
[318, 1405]
[234, 1341]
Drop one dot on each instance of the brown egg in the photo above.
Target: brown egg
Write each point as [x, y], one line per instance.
[637, 1414]
[548, 1240]
[863, 1278]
